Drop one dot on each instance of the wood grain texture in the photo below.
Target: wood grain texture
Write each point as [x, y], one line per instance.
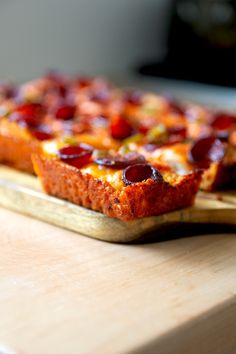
[22, 193]
[64, 293]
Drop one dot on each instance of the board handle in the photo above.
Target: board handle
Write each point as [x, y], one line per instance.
[213, 216]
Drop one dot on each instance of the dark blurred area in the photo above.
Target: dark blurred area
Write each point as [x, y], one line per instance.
[201, 43]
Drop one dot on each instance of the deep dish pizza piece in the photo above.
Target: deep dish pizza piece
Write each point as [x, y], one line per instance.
[121, 186]
[206, 140]
[215, 158]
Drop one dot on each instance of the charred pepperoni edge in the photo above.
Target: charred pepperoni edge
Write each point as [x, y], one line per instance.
[83, 149]
[206, 150]
[140, 172]
[118, 161]
[79, 158]
[120, 128]
[24, 120]
[30, 108]
[222, 121]
[65, 111]
[41, 133]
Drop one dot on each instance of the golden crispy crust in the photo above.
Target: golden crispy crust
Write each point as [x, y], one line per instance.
[135, 201]
[16, 152]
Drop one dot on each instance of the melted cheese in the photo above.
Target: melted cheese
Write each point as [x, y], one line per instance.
[174, 159]
[50, 147]
[114, 177]
[173, 156]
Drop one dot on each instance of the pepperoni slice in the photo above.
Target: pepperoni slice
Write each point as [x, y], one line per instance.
[77, 155]
[120, 128]
[30, 109]
[119, 162]
[27, 114]
[141, 172]
[178, 130]
[24, 120]
[41, 133]
[143, 129]
[177, 134]
[206, 150]
[65, 112]
[223, 121]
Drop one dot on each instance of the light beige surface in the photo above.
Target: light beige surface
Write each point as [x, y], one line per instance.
[64, 293]
[22, 193]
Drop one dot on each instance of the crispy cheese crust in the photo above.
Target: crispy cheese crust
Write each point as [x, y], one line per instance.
[139, 200]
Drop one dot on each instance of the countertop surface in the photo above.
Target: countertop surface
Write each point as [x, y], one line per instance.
[62, 293]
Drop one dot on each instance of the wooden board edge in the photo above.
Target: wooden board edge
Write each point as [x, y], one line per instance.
[21, 193]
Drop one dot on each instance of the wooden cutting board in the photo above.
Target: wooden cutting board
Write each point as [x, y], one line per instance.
[22, 193]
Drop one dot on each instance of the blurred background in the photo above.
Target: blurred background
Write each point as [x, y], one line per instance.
[193, 40]
[94, 36]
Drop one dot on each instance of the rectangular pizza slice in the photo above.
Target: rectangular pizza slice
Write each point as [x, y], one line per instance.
[121, 186]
